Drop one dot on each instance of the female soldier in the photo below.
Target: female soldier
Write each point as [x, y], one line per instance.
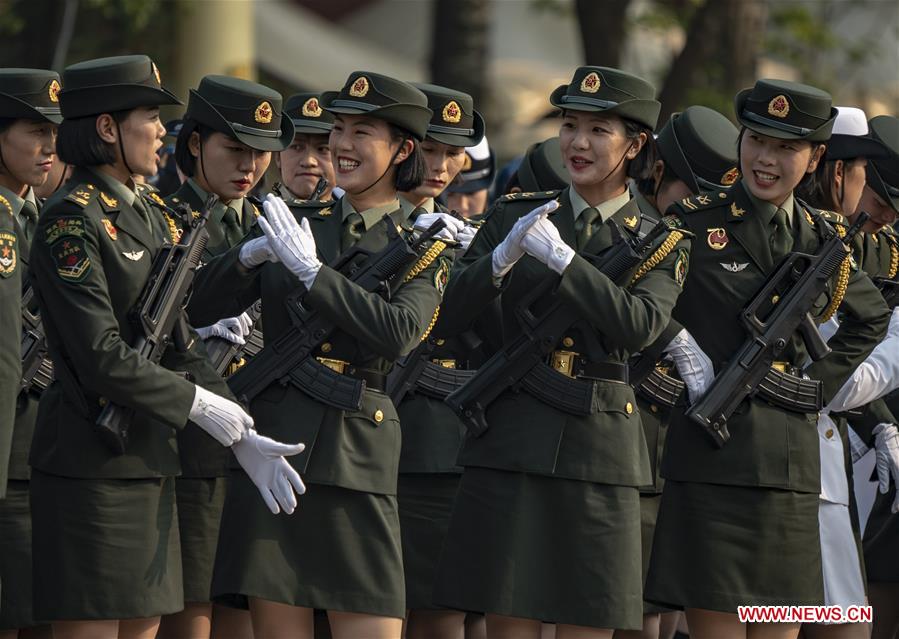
[105, 522]
[697, 154]
[432, 434]
[738, 525]
[546, 524]
[469, 193]
[308, 158]
[223, 151]
[341, 551]
[29, 114]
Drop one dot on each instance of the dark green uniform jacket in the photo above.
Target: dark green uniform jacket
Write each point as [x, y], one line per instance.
[356, 450]
[27, 402]
[11, 341]
[731, 259]
[201, 455]
[90, 259]
[526, 434]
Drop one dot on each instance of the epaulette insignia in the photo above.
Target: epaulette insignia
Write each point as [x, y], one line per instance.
[325, 212]
[81, 195]
[155, 197]
[688, 203]
[6, 205]
[703, 199]
[736, 211]
[529, 195]
[8, 253]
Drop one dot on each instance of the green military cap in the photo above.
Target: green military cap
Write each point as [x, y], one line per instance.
[883, 173]
[542, 168]
[700, 147]
[30, 94]
[786, 110]
[454, 120]
[305, 110]
[382, 97]
[242, 109]
[104, 85]
[610, 91]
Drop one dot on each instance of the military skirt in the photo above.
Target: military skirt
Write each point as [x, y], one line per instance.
[558, 550]
[339, 550]
[881, 540]
[109, 548]
[15, 558]
[425, 506]
[649, 512]
[718, 547]
[200, 504]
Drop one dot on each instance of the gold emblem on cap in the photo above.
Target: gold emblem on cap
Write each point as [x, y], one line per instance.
[54, 91]
[452, 112]
[779, 107]
[156, 73]
[263, 113]
[311, 108]
[590, 83]
[730, 177]
[359, 88]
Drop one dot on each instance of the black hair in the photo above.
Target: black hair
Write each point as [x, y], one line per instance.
[647, 185]
[5, 123]
[184, 159]
[79, 144]
[816, 188]
[640, 168]
[514, 182]
[410, 173]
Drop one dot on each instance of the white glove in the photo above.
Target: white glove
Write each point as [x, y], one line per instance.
[223, 419]
[465, 236]
[693, 365]
[233, 329]
[509, 250]
[857, 448]
[886, 447]
[449, 232]
[542, 241]
[256, 251]
[293, 243]
[893, 328]
[263, 461]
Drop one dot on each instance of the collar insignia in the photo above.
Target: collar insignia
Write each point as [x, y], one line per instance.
[736, 211]
[631, 221]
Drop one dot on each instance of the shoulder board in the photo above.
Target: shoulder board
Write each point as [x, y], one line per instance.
[145, 189]
[82, 194]
[703, 200]
[310, 204]
[6, 206]
[833, 217]
[537, 195]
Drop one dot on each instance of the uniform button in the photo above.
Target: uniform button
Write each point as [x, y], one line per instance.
[379, 416]
[441, 342]
[326, 347]
[629, 408]
[567, 342]
[829, 433]
[654, 408]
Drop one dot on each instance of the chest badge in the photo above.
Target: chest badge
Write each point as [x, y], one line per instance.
[717, 238]
[133, 255]
[111, 230]
[734, 267]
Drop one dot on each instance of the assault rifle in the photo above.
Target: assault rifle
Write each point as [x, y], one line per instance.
[222, 352]
[779, 309]
[521, 361]
[37, 369]
[159, 317]
[288, 359]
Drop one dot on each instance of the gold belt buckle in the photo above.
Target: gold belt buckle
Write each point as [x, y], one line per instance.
[780, 366]
[563, 362]
[336, 365]
[445, 363]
